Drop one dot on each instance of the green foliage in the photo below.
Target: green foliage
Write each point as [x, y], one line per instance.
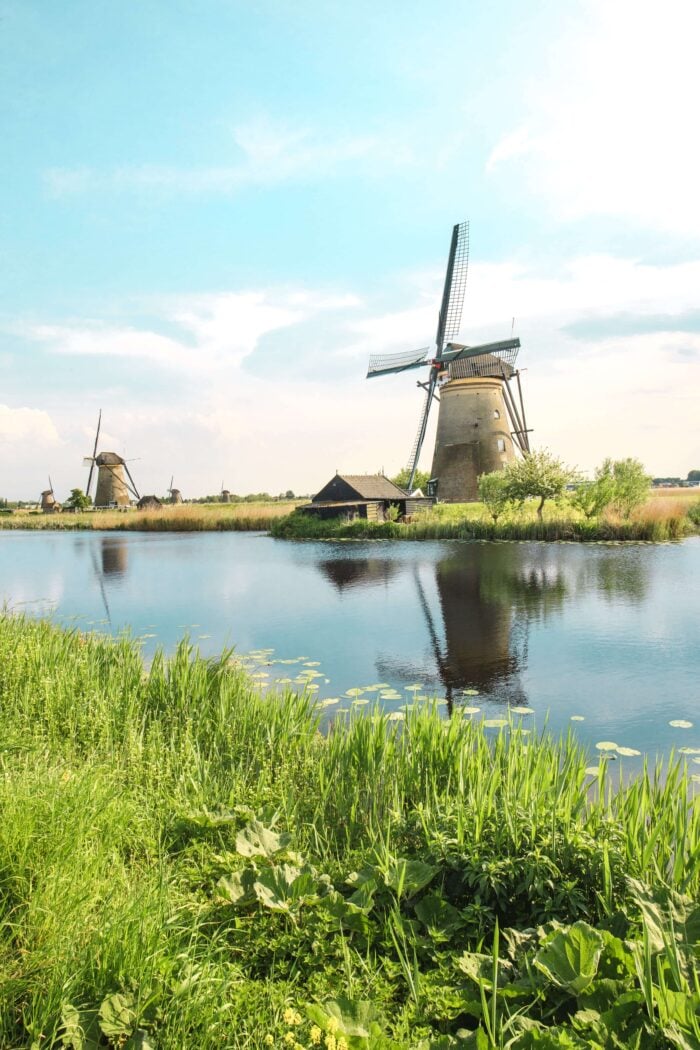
[539, 475]
[393, 512]
[185, 862]
[420, 480]
[630, 481]
[78, 500]
[495, 493]
[693, 475]
[694, 514]
[592, 497]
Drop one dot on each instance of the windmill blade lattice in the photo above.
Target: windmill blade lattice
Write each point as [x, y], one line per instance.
[450, 317]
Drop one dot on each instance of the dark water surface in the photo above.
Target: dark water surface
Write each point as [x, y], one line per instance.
[607, 633]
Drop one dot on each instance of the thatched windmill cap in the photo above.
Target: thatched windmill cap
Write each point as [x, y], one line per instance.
[108, 459]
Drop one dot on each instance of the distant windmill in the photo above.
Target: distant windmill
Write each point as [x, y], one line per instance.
[479, 418]
[115, 485]
[175, 494]
[48, 500]
[225, 494]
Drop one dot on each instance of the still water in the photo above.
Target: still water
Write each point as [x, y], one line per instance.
[609, 634]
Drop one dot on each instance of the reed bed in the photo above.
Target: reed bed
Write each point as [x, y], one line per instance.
[185, 862]
[230, 517]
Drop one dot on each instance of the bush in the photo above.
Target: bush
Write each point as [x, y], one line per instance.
[539, 475]
[494, 493]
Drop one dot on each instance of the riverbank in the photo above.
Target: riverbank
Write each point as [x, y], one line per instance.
[186, 862]
[660, 519]
[189, 517]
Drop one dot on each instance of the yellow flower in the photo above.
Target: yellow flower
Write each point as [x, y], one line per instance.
[269, 1040]
[332, 1025]
[331, 1043]
[289, 1039]
[291, 1016]
[341, 1044]
[298, 1046]
[315, 1035]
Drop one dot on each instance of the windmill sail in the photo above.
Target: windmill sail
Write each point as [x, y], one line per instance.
[94, 454]
[384, 364]
[450, 317]
[422, 427]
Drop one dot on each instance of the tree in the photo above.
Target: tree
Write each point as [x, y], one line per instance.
[289, 494]
[632, 484]
[78, 500]
[693, 475]
[592, 497]
[494, 493]
[539, 475]
[420, 480]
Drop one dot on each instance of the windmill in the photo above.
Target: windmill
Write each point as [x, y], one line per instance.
[115, 485]
[481, 420]
[225, 496]
[175, 494]
[48, 500]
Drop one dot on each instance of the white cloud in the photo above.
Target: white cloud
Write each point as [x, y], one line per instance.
[277, 426]
[613, 118]
[266, 154]
[28, 426]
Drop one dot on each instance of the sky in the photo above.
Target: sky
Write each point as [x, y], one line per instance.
[213, 212]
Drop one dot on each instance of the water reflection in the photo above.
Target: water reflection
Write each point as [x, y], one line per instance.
[112, 566]
[477, 608]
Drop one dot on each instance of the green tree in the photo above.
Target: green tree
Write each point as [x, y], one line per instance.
[78, 500]
[420, 481]
[592, 497]
[494, 493]
[693, 475]
[539, 475]
[632, 484]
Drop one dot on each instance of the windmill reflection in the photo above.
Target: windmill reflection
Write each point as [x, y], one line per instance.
[112, 566]
[344, 573]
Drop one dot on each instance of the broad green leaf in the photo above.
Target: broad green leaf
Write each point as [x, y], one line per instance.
[478, 967]
[358, 1018]
[407, 877]
[570, 958]
[438, 915]
[117, 1016]
[80, 1028]
[237, 888]
[258, 841]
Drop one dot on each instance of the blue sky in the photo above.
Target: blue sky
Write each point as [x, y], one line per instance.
[214, 211]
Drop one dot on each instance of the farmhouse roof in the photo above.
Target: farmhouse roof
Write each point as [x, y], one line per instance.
[364, 486]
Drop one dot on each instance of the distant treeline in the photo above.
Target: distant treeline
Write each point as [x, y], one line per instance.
[252, 497]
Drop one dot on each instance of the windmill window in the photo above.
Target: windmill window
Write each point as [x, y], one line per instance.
[496, 414]
[501, 445]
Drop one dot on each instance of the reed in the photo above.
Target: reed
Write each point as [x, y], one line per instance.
[187, 862]
[233, 517]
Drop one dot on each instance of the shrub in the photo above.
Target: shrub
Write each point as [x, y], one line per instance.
[539, 475]
[494, 493]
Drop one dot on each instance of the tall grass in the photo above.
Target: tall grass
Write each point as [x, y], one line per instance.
[124, 793]
[234, 517]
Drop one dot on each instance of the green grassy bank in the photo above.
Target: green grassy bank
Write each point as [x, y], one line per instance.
[186, 863]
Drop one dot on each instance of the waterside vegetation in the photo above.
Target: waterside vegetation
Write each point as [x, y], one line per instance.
[185, 862]
[185, 517]
[662, 517]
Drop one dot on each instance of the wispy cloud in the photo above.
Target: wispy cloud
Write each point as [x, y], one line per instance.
[266, 154]
[31, 427]
[611, 119]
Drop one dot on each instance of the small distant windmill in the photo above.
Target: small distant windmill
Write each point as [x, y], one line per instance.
[480, 418]
[115, 485]
[48, 500]
[175, 494]
[225, 494]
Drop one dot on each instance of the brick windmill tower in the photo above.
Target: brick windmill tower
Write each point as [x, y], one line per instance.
[115, 485]
[481, 423]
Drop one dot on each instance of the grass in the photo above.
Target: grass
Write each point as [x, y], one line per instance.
[661, 518]
[187, 863]
[206, 517]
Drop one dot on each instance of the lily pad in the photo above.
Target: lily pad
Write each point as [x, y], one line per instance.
[592, 771]
[606, 745]
[495, 723]
[681, 723]
[577, 718]
[628, 752]
[469, 710]
[522, 710]
[470, 692]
